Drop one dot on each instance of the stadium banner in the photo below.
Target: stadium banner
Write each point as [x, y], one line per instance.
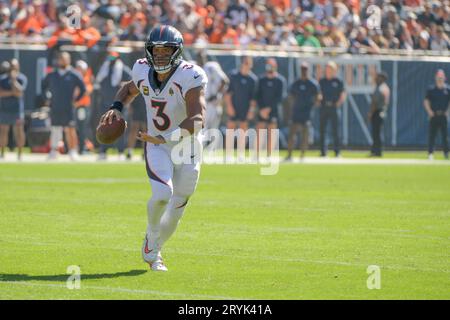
[406, 125]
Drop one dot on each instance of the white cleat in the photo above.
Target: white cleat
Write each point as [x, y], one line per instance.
[152, 255]
[158, 265]
[430, 157]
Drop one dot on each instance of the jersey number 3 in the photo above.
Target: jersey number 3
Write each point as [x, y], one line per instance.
[165, 123]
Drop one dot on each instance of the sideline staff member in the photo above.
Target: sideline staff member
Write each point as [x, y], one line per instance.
[377, 113]
[333, 96]
[271, 91]
[436, 104]
[303, 95]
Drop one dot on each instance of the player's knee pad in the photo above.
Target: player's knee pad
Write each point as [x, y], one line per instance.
[161, 194]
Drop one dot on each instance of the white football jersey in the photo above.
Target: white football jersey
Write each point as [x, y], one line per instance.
[166, 105]
[215, 76]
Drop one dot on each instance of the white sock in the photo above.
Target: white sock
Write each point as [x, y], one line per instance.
[56, 135]
[171, 218]
[155, 209]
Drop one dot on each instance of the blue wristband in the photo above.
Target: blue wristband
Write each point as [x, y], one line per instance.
[117, 105]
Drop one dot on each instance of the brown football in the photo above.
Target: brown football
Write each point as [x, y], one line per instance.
[109, 133]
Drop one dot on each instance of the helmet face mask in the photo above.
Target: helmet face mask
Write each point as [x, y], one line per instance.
[161, 38]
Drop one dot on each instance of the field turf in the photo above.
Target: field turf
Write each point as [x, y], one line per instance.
[309, 232]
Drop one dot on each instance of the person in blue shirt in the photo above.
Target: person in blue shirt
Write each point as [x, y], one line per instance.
[240, 98]
[304, 94]
[436, 104]
[12, 87]
[333, 96]
[61, 85]
[271, 91]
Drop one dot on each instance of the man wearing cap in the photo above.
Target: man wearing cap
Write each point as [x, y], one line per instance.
[436, 104]
[271, 91]
[333, 96]
[307, 39]
[303, 95]
[377, 113]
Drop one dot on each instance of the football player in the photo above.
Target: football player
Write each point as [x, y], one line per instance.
[173, 91]
[217, 85]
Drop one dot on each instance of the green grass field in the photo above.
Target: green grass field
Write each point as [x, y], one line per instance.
[309, 232]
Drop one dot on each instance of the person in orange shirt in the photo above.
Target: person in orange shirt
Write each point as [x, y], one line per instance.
[134, 14]
[63, 32]
[202, 10]
[230, 36]
[217, 31]
[83, 106]
[86, 35]
[30, 21]
[282, 4]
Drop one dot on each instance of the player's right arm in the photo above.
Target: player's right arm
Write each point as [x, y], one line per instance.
[124, 96]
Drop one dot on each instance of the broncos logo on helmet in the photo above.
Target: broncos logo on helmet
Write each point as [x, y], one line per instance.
[164, 36]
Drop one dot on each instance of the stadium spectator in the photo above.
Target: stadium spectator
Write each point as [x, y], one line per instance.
[270, 93]
[436, 103]
[304, 93]
[110, 76]
[63, 34]
[241, 22]
[83, 106]
[440, 41]
[86, 35]
[307, 39]
[392, 41]
[378, 111]
[60, 85]
[333, 96]
[237, 13]
[362, 43]
[12, 86]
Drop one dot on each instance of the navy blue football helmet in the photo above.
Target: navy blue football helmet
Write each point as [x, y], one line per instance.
[164, 36]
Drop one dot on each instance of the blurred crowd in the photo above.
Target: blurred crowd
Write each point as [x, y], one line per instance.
[356, 26]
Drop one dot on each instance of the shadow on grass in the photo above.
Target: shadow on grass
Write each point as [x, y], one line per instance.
[64, 277]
